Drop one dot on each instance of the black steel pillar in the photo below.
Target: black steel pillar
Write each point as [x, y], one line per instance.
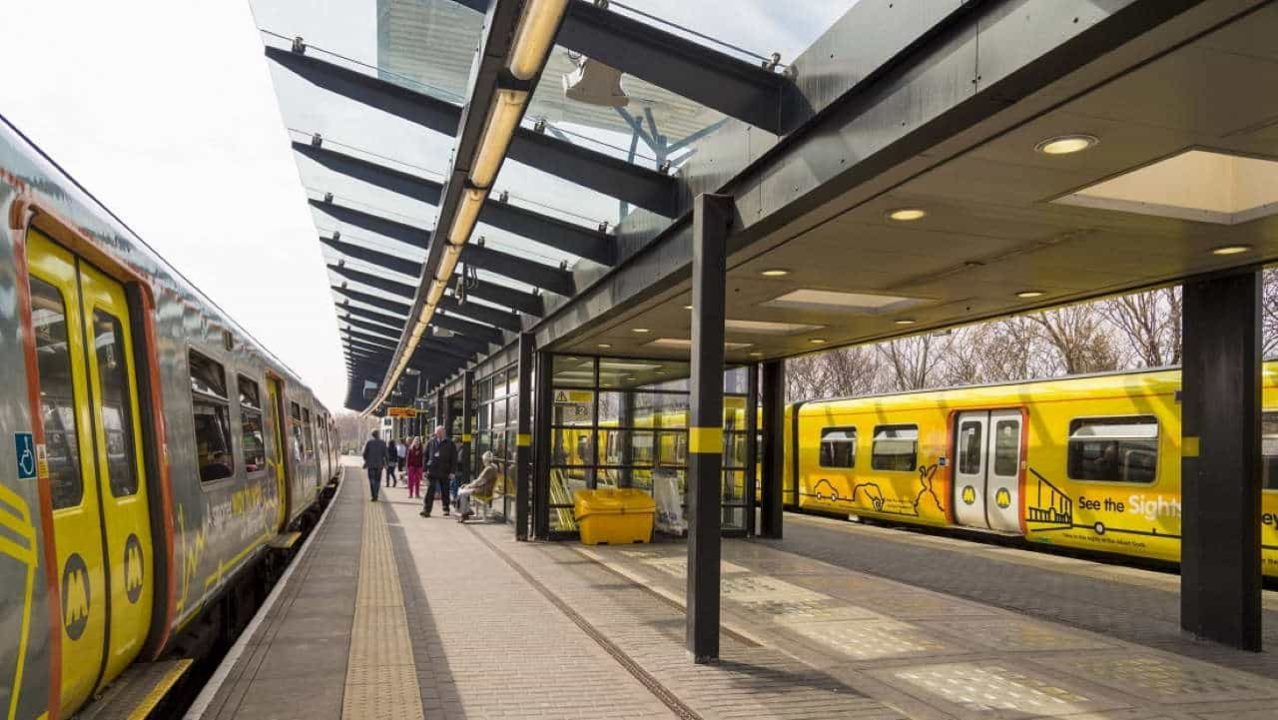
[441, 411]
[772, 500]
[711, 220]
[523, 438]
[751, 444]
[542, 417]
[468, 422]
[1220, 578]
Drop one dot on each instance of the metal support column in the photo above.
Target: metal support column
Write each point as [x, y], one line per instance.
[711, 220]
[441, 409]
[772, 500]
[1220, 578]
[468, 423]
[751, 445]
[523, 438]
[543, 410]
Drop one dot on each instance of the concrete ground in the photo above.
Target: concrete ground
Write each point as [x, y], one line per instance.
[393, 615]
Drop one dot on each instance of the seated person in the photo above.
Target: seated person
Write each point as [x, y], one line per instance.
[481, 486]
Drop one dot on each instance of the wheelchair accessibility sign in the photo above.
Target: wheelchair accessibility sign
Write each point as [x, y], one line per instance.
[24, 445]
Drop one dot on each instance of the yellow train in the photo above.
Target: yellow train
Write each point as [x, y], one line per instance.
[1088, 462]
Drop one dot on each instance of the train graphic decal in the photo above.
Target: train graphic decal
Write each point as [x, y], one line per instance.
[134, 569]
[76, 594]
[1050, 507]
[871, 494]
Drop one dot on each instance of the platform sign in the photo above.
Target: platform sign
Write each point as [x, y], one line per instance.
[25, 455]
[401, 412]
[575, 405]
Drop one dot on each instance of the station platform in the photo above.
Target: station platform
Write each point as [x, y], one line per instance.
[388, 614]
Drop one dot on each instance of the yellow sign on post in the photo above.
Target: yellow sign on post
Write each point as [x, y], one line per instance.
[401, 412]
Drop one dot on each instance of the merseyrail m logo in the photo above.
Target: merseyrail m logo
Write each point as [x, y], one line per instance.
[75, 596]
[133, 568]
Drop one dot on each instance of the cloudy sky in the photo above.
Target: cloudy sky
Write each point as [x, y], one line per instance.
[165, 110]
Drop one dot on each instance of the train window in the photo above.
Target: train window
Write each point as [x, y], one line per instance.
[838, 447]
[212, 418]
[1007, 447]
[1269, 449]
[1114, 449]
[252, 435]
[308, 433]
[970, 446]
[295, 412]
[57, 394]
[895, 447]
[117, 404]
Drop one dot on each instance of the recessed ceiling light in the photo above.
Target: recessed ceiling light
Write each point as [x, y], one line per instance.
[1230, 249]
[756, 354]
[775, 272]
[764, 327]
[817, 341]
[1027, 294]
[907, 214]
[687, 307]
[605, 346]
[1066, 144]
[843, 302]
[639, 330]
[684, 344]
[905, 321]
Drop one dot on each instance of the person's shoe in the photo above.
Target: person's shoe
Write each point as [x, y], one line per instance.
[446, 513]
[467, 515]
[424, 513]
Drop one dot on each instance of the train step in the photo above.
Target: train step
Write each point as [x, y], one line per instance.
[137, 692]
[284, 541]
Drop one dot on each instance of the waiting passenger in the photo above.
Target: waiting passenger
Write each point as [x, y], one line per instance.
[441, 463]
[374, 461]
[401, 452]
[392, 461]
[481, 486]
[415, 463]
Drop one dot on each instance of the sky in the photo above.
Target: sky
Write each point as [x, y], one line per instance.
[166, 111]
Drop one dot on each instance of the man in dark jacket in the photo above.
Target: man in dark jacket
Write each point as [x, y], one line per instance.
[441, 462]
[374, 461]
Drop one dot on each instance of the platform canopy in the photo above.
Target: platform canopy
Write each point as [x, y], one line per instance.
[895, 167]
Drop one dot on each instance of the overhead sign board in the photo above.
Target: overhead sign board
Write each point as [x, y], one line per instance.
[401, 412]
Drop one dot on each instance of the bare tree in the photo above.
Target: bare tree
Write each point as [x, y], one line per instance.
[1077, 335]
[912, 362]
[1150, 322]
[1269, 313]
[852, 372]
[352, 430]
[964, 360]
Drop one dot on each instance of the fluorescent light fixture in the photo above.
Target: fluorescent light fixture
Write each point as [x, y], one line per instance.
[686, 344]
[1028, 294]
[775, 272]
[435, 293]
[603, 346]
[762, 327]
[843, 302]
[472, 201]
[1066, 144]
[534, 36]
[816, 341]
[630, 366]
[640, 330]
[503, 118]
[1231, 250]
[906, 214]
[905, 321]
[756, 354]
[1199, 185]
[688, 306]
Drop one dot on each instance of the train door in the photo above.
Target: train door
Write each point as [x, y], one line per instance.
[93, 435]
[987, 469]
[279, 461]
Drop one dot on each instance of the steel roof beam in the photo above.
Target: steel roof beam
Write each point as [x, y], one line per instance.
[459, 341]
[472, 313]
[376, 301]
[736, 88]
[465, 327]
[546, 277]
[394, 229]
[549, 231]
[602, 173]
[492, 292]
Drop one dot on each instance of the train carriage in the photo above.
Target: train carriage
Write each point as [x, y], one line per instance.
[152, 448]
[1085, 462]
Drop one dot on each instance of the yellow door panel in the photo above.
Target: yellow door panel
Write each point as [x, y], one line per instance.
[118, 428]
[278, 466]
[68, 433]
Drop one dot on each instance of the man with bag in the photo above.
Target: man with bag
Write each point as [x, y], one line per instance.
[441, 462]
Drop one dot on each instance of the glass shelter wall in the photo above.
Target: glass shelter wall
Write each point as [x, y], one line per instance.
[623, 423]
[495, 424]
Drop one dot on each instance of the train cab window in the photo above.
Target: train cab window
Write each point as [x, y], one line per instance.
[117, 404]
[1114, 449]
[57, 394]
[838, 447]
[1269, 449]
[211, 406]
[308, 434]
[896, 447]
[252, 436]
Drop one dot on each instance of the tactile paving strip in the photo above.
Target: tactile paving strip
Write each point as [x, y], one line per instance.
[994, 690]
[381, 677]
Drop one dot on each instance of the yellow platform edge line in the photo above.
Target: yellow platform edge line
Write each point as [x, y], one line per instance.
[157, 693]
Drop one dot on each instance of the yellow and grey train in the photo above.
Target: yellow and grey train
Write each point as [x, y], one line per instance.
[151, 449]
[1086, 462]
